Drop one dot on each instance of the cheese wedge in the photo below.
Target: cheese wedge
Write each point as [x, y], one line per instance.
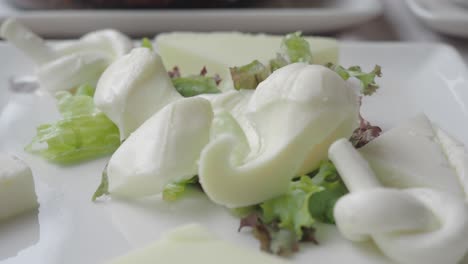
[411, 155]
[194, 244]
[17, 192]
[220, 50]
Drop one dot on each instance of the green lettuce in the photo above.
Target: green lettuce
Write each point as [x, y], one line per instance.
[367, 80]
[83, 133]
[174, 191]
[322, 203]
[195, 85]
[250, 75]
[295, 48]
[146, 43]
[282, 222]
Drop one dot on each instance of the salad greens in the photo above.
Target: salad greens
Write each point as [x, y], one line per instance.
[174, 191]
[146, 43]
[195, 85]
[367, 80]
[282, 222]
[295, 48]
[103, 188]
[84, 132]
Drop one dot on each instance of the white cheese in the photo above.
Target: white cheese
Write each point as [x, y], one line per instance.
[194, 244]
[163, 150]
[293, 112]
[17, 192]
[133, 88]
[410, 155]
[220, 50]
[411, 226]
[68, 65]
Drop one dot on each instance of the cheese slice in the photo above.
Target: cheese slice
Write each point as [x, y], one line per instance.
[17, 192]
[220, 50]
[194, 244]
[410, 155]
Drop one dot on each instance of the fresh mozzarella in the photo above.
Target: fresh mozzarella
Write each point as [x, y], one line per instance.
[194, 244]
[17, 192]
[412, 226]
[163, 150]
[411, 155]
[133, 88]
[69, 65]
[293, 111]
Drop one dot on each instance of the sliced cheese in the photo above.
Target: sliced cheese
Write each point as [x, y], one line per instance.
[17, 192]
[219, 50]
[410, 155]
[133, 88]
[292, 112]
[163, 150]
[194, 244]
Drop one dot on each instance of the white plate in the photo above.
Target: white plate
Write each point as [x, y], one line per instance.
[447, 16]
[331, 15]
[422, 78]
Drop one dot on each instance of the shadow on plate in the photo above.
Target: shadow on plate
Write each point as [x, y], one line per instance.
[18, 233]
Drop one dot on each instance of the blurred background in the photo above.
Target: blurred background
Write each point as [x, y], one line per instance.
[444, 21]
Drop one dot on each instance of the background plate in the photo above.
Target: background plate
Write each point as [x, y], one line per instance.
[422, 78]
[307, 16]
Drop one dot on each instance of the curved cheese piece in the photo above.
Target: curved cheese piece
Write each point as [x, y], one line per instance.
[163, 150]
[194, 244]
[413, 226]
[411, 155]
[17, 192]
[133, 88]
[293, 111]
[69, 65]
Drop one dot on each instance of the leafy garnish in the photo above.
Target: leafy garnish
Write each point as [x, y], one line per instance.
[282, 222]
[295, 48]
[321, 204]
[195, 85]
[174, 191]
[250, 75]
[84, 132]
[103, 188]
[367, 80]
[364, 133]
[291, 210]
[146, 43]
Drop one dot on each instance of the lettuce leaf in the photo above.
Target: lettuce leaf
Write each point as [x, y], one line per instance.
[367, 80]
[83, 133]
[291, 210]
[174, 191]
[282, 222]
[250, 75]
[322, 203]
[195, 85]
[146, 43]
[295, 48]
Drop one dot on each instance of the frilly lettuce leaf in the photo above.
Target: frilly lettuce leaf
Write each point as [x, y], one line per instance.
[322, 203]
[367, 80]
[83, 133]
[291, 210]
[282, 222]
[295, 48]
